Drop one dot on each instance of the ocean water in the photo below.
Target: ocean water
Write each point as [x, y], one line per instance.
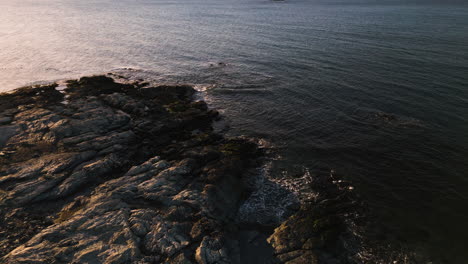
[375, 90]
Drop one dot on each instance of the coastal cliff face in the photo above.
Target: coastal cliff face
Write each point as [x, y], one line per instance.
[94, 171]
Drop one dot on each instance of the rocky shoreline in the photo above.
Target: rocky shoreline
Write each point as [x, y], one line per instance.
[96, 171]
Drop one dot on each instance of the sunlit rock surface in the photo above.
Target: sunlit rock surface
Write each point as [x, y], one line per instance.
[102, 172]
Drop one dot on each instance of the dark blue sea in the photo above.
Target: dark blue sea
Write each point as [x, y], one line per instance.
[376, 91]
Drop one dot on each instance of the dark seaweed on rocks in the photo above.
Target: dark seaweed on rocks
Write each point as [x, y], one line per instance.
[41, 96]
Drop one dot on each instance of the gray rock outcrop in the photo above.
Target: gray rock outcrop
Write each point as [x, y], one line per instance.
[117, 174]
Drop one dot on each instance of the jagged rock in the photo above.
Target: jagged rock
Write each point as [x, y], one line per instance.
[117, 175]
[211, 250]
[319, 232]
